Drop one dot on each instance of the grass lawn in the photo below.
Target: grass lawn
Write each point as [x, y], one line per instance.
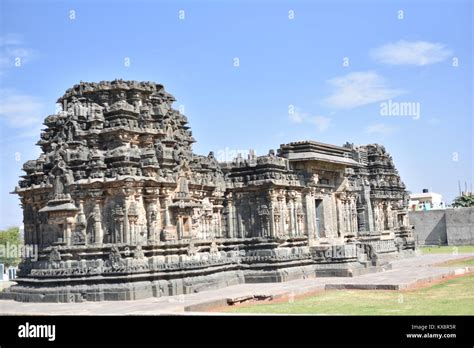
[453, 297]
[445, 249]
[461, 263]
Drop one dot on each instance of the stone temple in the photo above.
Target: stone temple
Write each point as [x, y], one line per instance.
[121, 208]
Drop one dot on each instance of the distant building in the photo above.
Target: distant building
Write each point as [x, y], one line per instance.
[426, 201]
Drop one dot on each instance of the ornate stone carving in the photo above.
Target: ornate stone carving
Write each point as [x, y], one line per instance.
[138, 253]
[115, 257]
[192, 249]
[214, 249]
[54, 255]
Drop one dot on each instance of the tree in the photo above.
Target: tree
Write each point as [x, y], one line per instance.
[10, 246]
[463, 201]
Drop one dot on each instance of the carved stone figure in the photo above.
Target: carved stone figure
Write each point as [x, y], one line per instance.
[115, 257]
[54, 255]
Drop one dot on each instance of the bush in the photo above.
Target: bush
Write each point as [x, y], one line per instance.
[463, 201]
[9, 239]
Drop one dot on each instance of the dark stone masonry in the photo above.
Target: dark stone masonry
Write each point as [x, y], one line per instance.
[121, 208]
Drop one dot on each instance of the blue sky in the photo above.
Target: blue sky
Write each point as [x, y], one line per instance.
[254, 74]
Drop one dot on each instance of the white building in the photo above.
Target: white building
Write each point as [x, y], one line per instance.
[426, 201]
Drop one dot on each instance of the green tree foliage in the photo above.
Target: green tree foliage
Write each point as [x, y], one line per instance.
[10, 246]
[463, 201]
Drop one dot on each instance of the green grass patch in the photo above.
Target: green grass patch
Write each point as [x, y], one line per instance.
[453, 297]
[446, 249]
[459, 263]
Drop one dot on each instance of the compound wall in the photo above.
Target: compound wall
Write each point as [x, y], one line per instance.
[445, 227]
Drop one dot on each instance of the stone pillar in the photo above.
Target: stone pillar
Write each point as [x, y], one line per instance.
[80, 232]
[133, 232]
[377, 217]
[347, 216]
[235, 218]
[361, 220]
[33, 235]
[179, 227]
[284, 214]
[390, 224]
[118, 216]
[167, 214]
[126, 229]
[133, 219]
[210, 227]
[370, 216]
[340, 218]
[383, 216]
[37, 227]
[169, 231]
[40, 229]
[230, 218]
[29, 223]
[96, 196]
[288, 218]
[98, 233]
[151, 202]
[127, 234]
[218, 223]
[309, 206]
[240, 230]
[130, 214]
[68, 230]
[271, 210]
[295, 217]
[30, 217]
[354, 216]
[27, 220]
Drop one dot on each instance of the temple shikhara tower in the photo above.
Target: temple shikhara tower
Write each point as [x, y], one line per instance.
[121, 208]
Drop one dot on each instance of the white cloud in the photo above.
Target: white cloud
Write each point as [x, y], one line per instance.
[379, 128]
[358, 89]
[20, 110]
[12, 50]
[10, 39]
[297, 117]
[321, 122]
[411, 53]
